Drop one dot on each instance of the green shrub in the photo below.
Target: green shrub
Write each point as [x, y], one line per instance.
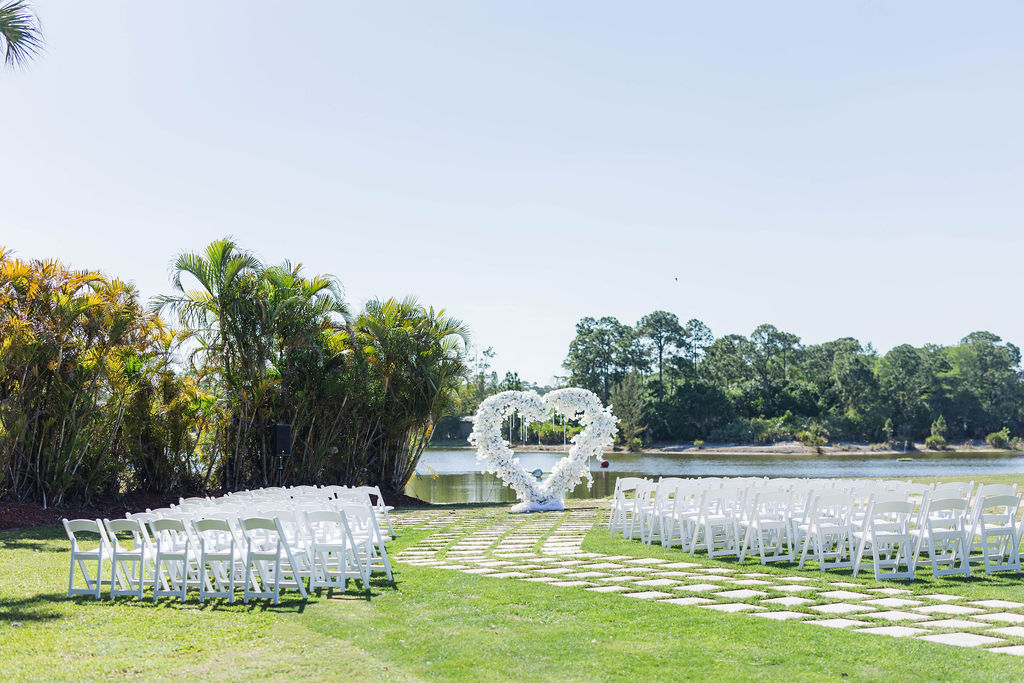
[698, 444]
[814, 437]
[636, 444]
[1000, 439]
[935, 442]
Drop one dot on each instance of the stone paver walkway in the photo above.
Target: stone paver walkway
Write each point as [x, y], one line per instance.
[546, 548]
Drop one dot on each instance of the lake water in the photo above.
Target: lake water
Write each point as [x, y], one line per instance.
[454, 476]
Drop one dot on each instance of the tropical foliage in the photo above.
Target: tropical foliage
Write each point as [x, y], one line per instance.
[20, 37]
[100, 396]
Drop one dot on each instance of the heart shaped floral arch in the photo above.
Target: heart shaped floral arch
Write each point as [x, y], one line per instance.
[494, 452]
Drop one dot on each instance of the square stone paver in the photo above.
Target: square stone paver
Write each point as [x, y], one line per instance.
[788, 601]
[957, 610]
[648, 595]
[889, 591]
[750, 582]
[716, 570]
[741, 594]
[838, 623]
[699, 587]
[953, 623]
[687, 601]
[609, 589]
[678, 575]
[1005, 617]
[645, 560]
[712, 577]
[1014, 631]
[792, 588]
[540, 579]
[570, 584]
[782, 615]
[897, 615]
[734, 607]
[479, 570]
[941, 597]
[893, 602]
[997, 604]
[895, 631]
[962, 639]
[628, 577]
[680, 565]
[754, 575]
[841, 608]
[508, 575]
[585, 575]
[604, 565]
[1012, 650]
[555, 570]
[843, 595]
[657, 582]
[845, 584]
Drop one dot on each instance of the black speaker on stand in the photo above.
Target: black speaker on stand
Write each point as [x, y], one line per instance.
[282, 448]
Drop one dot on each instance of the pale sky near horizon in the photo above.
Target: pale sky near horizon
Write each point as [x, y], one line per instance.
[836, 169]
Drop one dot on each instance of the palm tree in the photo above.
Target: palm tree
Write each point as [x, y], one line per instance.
[20, 37]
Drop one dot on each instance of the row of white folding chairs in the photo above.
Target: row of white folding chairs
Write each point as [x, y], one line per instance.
[736, 516]
[639, 513]
[217, 553]
[371, 494]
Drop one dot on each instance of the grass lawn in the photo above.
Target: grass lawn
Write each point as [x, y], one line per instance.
[437, 624]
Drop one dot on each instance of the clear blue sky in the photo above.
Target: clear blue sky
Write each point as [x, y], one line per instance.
[834, 168]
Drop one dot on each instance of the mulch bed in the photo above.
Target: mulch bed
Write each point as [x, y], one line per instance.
[14, 515]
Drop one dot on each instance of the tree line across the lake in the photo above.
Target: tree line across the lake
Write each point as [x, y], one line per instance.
[101, 394]
[675, 382]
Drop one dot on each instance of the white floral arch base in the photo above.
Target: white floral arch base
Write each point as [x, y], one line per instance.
[498, 458]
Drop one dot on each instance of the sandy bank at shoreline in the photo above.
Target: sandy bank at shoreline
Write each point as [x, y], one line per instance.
[780, 448]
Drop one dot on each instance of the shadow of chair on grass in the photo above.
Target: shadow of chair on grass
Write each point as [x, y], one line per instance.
[33, 608]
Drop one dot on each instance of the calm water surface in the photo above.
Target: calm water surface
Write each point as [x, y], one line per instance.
[454, 476]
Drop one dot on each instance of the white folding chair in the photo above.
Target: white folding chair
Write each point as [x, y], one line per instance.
[171, 570]
[716, 528]
[887, 530]
[827, 533]
[334, 555]
[622, 505]
[943, 534]
[218, 559]
[766, 526]
[81, 556]
[380, 508]
[1000, 541]
[362, 523]
[128, 564]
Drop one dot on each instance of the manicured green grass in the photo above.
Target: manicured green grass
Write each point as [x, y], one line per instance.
[434, 624]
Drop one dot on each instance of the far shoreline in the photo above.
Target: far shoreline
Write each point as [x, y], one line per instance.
[782, 448]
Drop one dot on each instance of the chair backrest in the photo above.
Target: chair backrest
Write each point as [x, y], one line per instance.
[324, 526]
[831, 508]
[73, 527]
[1000, 510]
[947, 514]
[892, 516]
[125, 526]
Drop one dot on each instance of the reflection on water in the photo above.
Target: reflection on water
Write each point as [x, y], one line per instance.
[454, 476]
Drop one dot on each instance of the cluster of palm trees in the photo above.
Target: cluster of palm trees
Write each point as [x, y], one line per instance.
[98, 395]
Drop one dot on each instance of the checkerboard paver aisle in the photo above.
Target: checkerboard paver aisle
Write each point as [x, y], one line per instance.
[547, 548]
